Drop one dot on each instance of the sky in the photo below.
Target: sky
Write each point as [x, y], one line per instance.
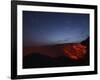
[43, 28]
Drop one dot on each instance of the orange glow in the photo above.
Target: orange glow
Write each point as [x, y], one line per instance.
[75, 51]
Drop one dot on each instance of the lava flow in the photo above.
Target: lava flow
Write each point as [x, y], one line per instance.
[75, 51]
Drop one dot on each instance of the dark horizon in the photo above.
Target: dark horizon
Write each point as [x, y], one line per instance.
[54, 56]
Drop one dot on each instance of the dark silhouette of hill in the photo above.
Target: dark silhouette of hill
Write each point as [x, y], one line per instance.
[40, 61]
[86, 42]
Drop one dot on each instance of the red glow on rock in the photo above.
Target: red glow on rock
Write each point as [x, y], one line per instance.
[75, 51]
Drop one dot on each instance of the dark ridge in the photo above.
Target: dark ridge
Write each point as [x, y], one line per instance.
[42, 61]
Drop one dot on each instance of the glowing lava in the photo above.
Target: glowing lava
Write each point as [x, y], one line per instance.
[75, 51]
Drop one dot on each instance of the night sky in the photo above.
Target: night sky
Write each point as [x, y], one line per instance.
[42, 28]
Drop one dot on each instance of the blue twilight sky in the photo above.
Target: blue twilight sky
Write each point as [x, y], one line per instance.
[41, 28]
